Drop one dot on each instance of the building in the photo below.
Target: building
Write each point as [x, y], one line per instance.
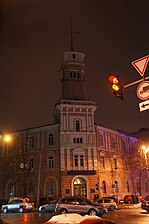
[72, 156]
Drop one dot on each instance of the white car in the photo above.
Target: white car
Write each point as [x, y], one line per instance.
[109, 203]
[17, 205]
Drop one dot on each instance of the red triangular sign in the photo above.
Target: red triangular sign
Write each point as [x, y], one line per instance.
[141, 64]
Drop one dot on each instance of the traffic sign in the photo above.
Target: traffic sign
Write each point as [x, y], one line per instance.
[143, 90]
[141, 64]
[144, 105]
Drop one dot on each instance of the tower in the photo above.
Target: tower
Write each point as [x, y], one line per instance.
[73, 75]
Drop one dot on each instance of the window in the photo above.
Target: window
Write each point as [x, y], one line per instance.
[79, 160]
[31, 142]
[146, 186]
[51, 139]
[12, 190]
[102, 161]
[30, 189]
[104, 190]
[12, 168]
[78, 75]
[127, 186]
[51, 162]
[113, 143]
[100, 140]
[77, 125]
[115, 163]
[76, 160]
[126, 165]
[51, 188]
[123, 146]
[31, 164]
[77, 140]
[116, 187]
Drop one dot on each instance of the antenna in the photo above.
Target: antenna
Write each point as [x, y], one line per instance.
[71, 36]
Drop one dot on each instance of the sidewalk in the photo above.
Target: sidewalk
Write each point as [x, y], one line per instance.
[128, 206]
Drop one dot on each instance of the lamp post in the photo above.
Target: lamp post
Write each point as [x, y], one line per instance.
[6, 138]
[145, 150]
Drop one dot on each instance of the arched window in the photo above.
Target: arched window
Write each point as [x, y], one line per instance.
[51, 188]
[104, 190]
[77, 125]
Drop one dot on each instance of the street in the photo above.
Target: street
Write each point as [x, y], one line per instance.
[122, 216]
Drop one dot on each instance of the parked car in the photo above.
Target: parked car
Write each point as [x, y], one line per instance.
[78, 219]
[128, 199]
[18, 205]
[79, 205]
[146, 198]
[3, 201]
[145, 205]
[114, 197]
[49, 207]
[109, 203]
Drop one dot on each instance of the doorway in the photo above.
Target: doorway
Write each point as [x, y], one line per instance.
[80, 187]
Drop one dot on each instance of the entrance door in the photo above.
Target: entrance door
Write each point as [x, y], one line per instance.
[80, 187]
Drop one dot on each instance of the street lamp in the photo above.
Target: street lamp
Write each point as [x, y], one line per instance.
[145, 150]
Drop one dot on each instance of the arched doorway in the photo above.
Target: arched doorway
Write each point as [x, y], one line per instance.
[79, 186]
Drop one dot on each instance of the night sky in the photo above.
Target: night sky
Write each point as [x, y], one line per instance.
[111, 33]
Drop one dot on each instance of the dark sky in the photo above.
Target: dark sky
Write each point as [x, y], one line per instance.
[112, 34]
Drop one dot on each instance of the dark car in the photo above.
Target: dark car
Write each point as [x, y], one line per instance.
[145, 205]
[3, 201]
[79, 205]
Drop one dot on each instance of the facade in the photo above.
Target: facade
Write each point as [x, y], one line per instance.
[72, 156]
